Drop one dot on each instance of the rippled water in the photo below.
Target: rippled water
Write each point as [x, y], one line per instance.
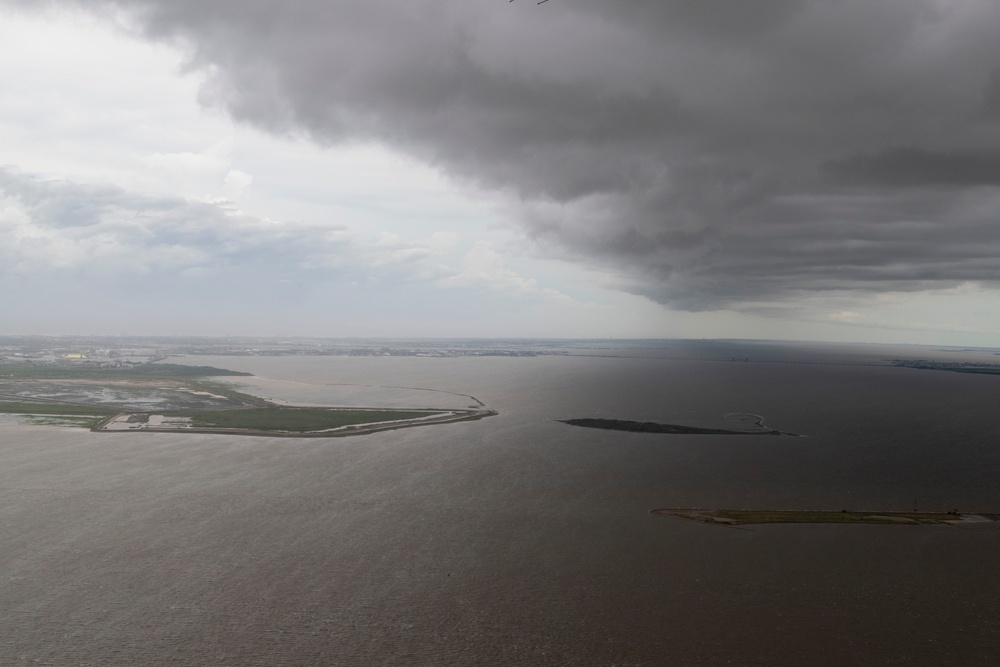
[518, 540]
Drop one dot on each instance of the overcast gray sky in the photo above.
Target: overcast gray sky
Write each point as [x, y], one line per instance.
[721, 168]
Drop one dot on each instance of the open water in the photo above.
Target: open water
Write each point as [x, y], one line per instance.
[519, 540]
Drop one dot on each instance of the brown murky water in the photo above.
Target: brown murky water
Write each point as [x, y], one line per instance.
[516, 540]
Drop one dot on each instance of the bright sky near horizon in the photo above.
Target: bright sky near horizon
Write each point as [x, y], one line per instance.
[779, 169]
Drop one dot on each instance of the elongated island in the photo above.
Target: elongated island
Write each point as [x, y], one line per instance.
[743, 517]
[673, 429]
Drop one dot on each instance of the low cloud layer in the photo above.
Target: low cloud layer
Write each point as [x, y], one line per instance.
[54, 225]
[715, 154]
[103, 231]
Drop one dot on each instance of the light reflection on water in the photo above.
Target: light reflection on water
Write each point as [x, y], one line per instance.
[518, 540]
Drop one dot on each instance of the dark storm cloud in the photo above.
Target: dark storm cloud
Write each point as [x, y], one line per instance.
[917, 167]
[714, 152]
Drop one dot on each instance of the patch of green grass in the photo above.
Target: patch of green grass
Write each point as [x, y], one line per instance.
[29, 408]
[299, 420]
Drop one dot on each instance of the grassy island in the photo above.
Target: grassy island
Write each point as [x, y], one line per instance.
[741, 517]
[653, 427]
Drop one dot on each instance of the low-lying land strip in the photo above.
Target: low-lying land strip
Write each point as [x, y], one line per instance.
[741, 517]
[286, 421]
[146, 371]
[653, 427]
[173, 398]
[978, 367]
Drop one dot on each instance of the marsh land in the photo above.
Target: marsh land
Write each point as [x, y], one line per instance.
[171, 397]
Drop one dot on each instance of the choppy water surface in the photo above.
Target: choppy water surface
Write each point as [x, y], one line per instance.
[518, 540]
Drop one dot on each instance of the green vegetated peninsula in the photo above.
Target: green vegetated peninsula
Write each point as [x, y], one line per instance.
[653, 427]
[742, 517]
[177, 398]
